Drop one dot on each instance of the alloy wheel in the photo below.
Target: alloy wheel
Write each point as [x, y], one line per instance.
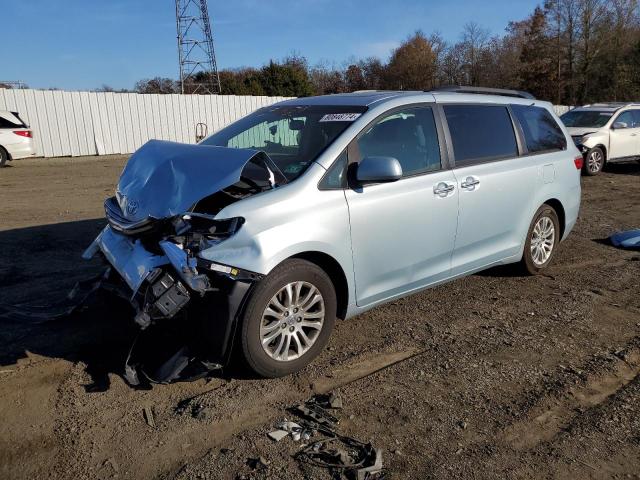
[542, 240]
[595, 160]
[292, 321]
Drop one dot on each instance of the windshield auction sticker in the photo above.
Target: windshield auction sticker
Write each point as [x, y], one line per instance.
[340, 117]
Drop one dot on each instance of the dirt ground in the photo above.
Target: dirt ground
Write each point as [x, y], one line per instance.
[492, 376]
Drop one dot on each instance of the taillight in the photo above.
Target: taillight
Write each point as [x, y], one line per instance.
[579, 161]
[23, 133]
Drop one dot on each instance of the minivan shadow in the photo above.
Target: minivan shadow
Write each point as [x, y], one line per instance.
[39, 266]
[501, 271]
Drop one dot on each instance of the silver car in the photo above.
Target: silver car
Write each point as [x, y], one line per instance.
[321, 208]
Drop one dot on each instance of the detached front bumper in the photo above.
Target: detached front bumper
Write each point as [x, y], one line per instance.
[167, 283]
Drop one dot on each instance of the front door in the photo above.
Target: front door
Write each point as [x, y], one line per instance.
[624, 141]
[402, 232]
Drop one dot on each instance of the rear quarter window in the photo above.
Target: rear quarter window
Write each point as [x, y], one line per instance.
[541, 131]
[480, 133]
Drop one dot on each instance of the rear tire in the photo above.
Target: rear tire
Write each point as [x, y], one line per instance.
[4, 157]
[542, 238]
[288, 319]
[594, 162]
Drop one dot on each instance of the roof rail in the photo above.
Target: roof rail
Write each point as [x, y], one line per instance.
[484, 91]
[614, 104]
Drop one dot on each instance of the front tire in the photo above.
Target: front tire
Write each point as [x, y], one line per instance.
[542, 238]
[4, 157]
[288, 319]
[593, 161]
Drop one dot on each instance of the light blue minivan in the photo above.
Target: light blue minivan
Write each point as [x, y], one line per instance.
[320, 208]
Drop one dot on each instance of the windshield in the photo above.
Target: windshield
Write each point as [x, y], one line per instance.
[586, 118]
[293, 136]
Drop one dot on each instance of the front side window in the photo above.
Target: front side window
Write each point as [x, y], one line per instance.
[292, 136]
[541, 132]
[586, 118]
[480, 133]
[627, 118]
[409, 135]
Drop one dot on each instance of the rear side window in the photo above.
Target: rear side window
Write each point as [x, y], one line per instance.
[541, 132]
[480, 133]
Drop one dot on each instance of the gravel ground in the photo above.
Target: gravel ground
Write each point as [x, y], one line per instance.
[491, 376]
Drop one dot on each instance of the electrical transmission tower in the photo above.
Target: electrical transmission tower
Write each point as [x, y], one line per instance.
[198, 69]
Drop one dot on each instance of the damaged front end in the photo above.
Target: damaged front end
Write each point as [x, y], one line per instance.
[160, 221]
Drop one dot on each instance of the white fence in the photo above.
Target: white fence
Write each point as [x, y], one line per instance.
[560, 109]
[91, 123]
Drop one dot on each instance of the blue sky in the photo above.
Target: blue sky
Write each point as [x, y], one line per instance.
[82, 44]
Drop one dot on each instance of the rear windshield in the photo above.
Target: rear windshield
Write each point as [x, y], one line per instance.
[293, 136]
[586, 118]
[11, 120]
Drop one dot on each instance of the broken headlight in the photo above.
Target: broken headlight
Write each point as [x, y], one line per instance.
[198, 231]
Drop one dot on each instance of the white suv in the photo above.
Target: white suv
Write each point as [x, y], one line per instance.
[16, 139]
[605, 132]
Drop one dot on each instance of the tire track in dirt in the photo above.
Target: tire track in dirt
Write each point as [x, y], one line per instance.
[553, 413]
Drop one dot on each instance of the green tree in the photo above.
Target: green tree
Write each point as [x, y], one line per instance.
[412, 65]
[287, 79]
[537, 73]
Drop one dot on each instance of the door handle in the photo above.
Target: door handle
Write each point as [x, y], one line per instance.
[470, 183]
[442, 189]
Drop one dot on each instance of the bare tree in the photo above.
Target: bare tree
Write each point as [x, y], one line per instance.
[474, 41]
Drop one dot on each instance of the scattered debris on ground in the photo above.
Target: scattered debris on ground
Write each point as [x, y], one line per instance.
[340, 454]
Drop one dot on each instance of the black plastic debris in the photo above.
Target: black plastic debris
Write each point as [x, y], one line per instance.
[331, 401]
[314, 412]
[341, 454]
[356, 459]
[629, 239]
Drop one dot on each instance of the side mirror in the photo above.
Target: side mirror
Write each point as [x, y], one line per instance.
[619, 125]
[378, 170]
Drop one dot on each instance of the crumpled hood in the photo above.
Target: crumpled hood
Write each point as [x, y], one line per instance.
[163, 179]
[580, 131]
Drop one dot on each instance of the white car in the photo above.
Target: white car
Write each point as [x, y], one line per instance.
[16, 139]
[605, 133]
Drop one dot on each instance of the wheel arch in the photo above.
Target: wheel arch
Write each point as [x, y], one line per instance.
[559, 209]
[6, 150]
[336, 274]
